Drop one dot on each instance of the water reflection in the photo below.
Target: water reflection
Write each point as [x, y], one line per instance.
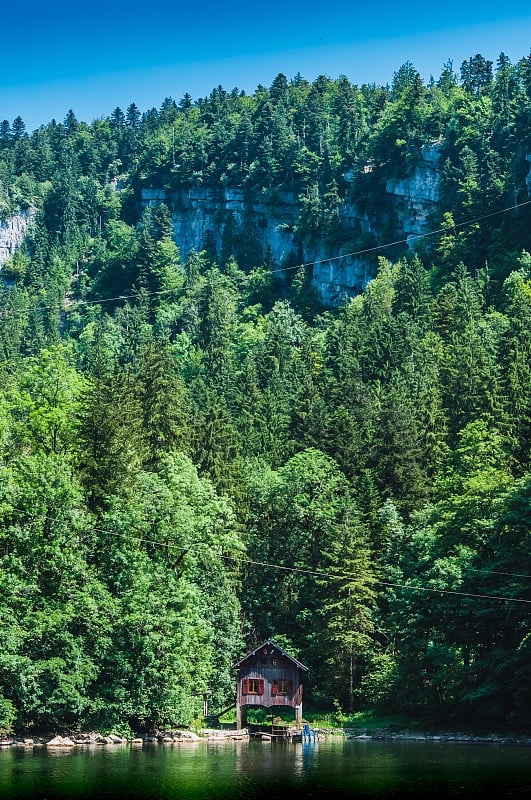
[242, 770]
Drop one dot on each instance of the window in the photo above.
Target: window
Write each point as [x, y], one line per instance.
[274, 662]
[253, 686]
[281, 686]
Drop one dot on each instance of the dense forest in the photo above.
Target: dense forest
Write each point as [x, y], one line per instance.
[197, 454]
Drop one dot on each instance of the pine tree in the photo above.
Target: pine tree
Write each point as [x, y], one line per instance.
[165, 416]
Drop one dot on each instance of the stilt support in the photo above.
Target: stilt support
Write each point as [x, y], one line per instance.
[241, 717]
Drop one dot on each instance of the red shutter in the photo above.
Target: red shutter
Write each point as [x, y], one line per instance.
[274, 687]
[245, 686]
[261, 686]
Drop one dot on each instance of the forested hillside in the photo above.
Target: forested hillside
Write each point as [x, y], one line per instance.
[197, 454]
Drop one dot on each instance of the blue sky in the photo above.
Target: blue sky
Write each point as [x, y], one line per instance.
[92, 57]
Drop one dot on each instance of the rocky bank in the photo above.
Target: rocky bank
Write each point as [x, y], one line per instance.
[185, 736]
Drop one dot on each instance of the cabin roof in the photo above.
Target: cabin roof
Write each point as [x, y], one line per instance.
[269, 643]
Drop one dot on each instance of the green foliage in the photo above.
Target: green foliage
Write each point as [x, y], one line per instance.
[302, 517]
[7, 715]
[195, 456]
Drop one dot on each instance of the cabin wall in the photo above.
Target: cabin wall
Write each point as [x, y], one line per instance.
[263, 668]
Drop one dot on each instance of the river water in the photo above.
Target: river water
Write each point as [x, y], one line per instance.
[256, 769]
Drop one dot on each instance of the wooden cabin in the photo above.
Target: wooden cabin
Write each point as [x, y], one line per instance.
[268, 677]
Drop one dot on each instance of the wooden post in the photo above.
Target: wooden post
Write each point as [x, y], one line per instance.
[298, 715]
[241, 716]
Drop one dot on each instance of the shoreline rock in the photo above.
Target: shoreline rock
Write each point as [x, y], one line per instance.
[443, 738]
[94, 738]
[185, 736]
[60, 741]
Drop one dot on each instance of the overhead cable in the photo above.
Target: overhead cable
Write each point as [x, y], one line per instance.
[75, 304]
[302, 570]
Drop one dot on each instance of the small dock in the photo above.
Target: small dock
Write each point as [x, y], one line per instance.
[275, 733]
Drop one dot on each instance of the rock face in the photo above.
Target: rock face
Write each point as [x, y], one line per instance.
[13, 231]
[204, 215]
[338, 279]
[416, 197]
[266, 225]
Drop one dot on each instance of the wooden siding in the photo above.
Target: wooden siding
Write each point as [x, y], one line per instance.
[268, 674]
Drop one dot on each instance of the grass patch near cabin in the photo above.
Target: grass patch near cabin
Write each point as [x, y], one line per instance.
[359, 720]
[364, 721]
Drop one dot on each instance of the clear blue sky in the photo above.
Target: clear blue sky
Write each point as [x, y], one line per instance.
[94, 56]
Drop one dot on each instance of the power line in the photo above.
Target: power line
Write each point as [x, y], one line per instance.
[281, 270]
[497, 572]
[451, 591]
[332, 576]
[301, 570]
[446, 229]
[277, 566]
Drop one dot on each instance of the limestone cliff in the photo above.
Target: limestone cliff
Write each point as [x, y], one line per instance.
[416, 196]
[12, 232]
[269, 225]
